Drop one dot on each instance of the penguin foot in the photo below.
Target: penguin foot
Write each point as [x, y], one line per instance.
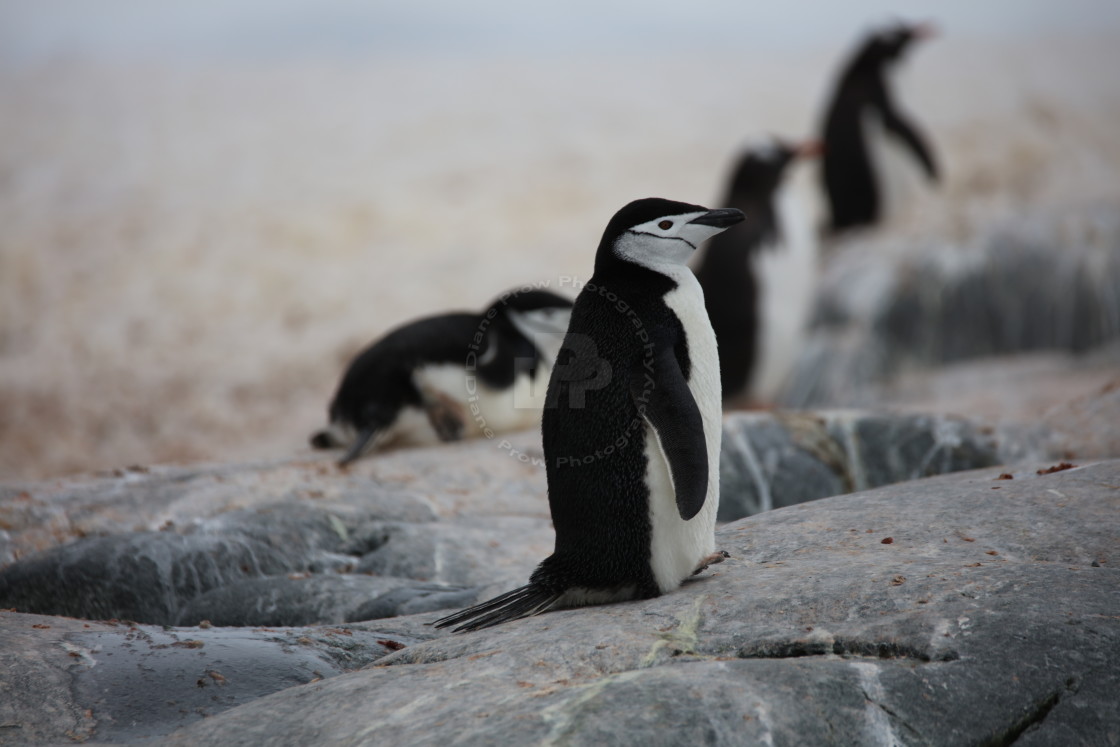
[445, 415]
[717, 557]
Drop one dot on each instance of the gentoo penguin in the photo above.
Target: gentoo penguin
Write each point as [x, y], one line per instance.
[725, 268]
[862, 125]
[447, 377]
[631, 427]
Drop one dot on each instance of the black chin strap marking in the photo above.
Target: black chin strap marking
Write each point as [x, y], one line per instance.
[666, 238]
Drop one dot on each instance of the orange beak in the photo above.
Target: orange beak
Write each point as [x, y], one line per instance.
[808, 149]
[925, 30]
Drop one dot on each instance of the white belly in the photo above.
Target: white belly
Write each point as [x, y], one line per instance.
[483, 408]
[678, 546]
[787, 276]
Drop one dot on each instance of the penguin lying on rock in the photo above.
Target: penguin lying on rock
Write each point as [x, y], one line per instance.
[451, 376]
[725, 268]
[863, 129]
[632, 424]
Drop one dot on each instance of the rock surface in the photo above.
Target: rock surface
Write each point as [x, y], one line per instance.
[1051, 282]
[960, 609]
[67, 680]
[297, 543]
[779, 459]
[983, 581]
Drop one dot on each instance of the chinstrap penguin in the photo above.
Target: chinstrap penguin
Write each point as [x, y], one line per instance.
[863, 127]
[632, 424]
[450, 376]
[725, 267]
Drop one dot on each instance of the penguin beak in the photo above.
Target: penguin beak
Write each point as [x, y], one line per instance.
[808, 149]
[722, 218]
[922, 31]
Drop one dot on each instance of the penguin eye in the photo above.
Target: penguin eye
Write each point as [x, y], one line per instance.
[665, 225]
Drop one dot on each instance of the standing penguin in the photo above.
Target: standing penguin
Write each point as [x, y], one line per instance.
[725, 268]
[859, 119]
[415, 385]
[632, 424]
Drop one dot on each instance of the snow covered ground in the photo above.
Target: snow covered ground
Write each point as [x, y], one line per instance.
[192, 245]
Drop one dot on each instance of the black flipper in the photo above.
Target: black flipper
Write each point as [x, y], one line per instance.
[901, 128]
[660, 390]
[358, 448]
[525, 601]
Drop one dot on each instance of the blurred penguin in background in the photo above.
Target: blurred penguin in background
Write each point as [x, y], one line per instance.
[866, 138]
[449, 376]
[727, 266]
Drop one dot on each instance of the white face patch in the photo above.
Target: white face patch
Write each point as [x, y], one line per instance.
[767, 150]
[665, 243]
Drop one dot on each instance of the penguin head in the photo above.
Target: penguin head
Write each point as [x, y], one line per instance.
[538, 315]
[760, 168]
[531, 299]
[659, 234]
[536, 310]
[889, 44]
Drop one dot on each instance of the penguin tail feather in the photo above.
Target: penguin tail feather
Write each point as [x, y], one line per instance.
[522, 602]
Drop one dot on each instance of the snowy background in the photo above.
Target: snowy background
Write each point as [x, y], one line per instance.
[206, 208]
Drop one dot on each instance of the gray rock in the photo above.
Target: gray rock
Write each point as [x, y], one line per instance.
[252, 567]
[150, 576]
[1048, 283]
[770, 460]
[306, 599]
[38, 516]
[144, 577]
[960, 609]
[461, 552]
[67, 680]
[1088, 426]
[232, 565]
[413, 599]
[479, 478]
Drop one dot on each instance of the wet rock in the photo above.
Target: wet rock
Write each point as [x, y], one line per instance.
[460, 552]
[332, 555]
[138, 576]
[245, 563]
[282, 564]
[415, 598]
[150, 576]
[1048, 283]
[770, 460]
[815, 627]
[67, 680]
[42, 515]
[306, 599]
